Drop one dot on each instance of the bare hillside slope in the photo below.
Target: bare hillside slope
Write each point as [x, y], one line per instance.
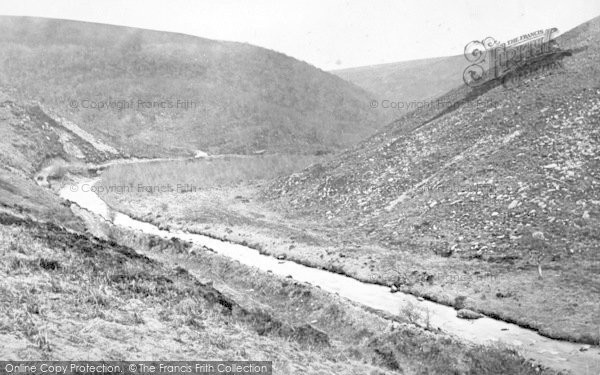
[506, 178]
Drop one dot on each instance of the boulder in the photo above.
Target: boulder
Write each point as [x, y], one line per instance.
[468, 314]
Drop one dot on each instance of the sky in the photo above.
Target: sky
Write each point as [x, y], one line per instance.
[330, 34]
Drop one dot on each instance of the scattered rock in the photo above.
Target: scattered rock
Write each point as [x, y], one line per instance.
[393, 289]
[504, 295]
[468, 314]
[538, 235]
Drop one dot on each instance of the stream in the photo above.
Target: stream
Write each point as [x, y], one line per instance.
[557, 354]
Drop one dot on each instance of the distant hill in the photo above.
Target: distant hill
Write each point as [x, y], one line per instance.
[408, 81]
[203, 94]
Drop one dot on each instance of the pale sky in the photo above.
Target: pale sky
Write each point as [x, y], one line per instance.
[329, 34]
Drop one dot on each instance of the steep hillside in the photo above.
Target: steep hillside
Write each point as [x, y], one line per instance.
[408, 81]
[156, 93]
[31, 138]
[35, 145]
[506, 177]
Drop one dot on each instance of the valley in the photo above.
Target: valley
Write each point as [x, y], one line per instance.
[284, 219]
[464, 242]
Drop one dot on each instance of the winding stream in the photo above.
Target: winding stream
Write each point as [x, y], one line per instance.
[552, 353]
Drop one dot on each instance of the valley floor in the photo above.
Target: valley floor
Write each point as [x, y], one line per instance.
[563, 303]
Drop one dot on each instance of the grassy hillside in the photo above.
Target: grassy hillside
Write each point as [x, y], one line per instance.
[408, 81]
[221, 97]
[505, 180]
[35, 145]
[70, 295]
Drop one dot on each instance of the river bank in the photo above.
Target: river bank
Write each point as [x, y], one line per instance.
[562, 305]
[560, 354]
